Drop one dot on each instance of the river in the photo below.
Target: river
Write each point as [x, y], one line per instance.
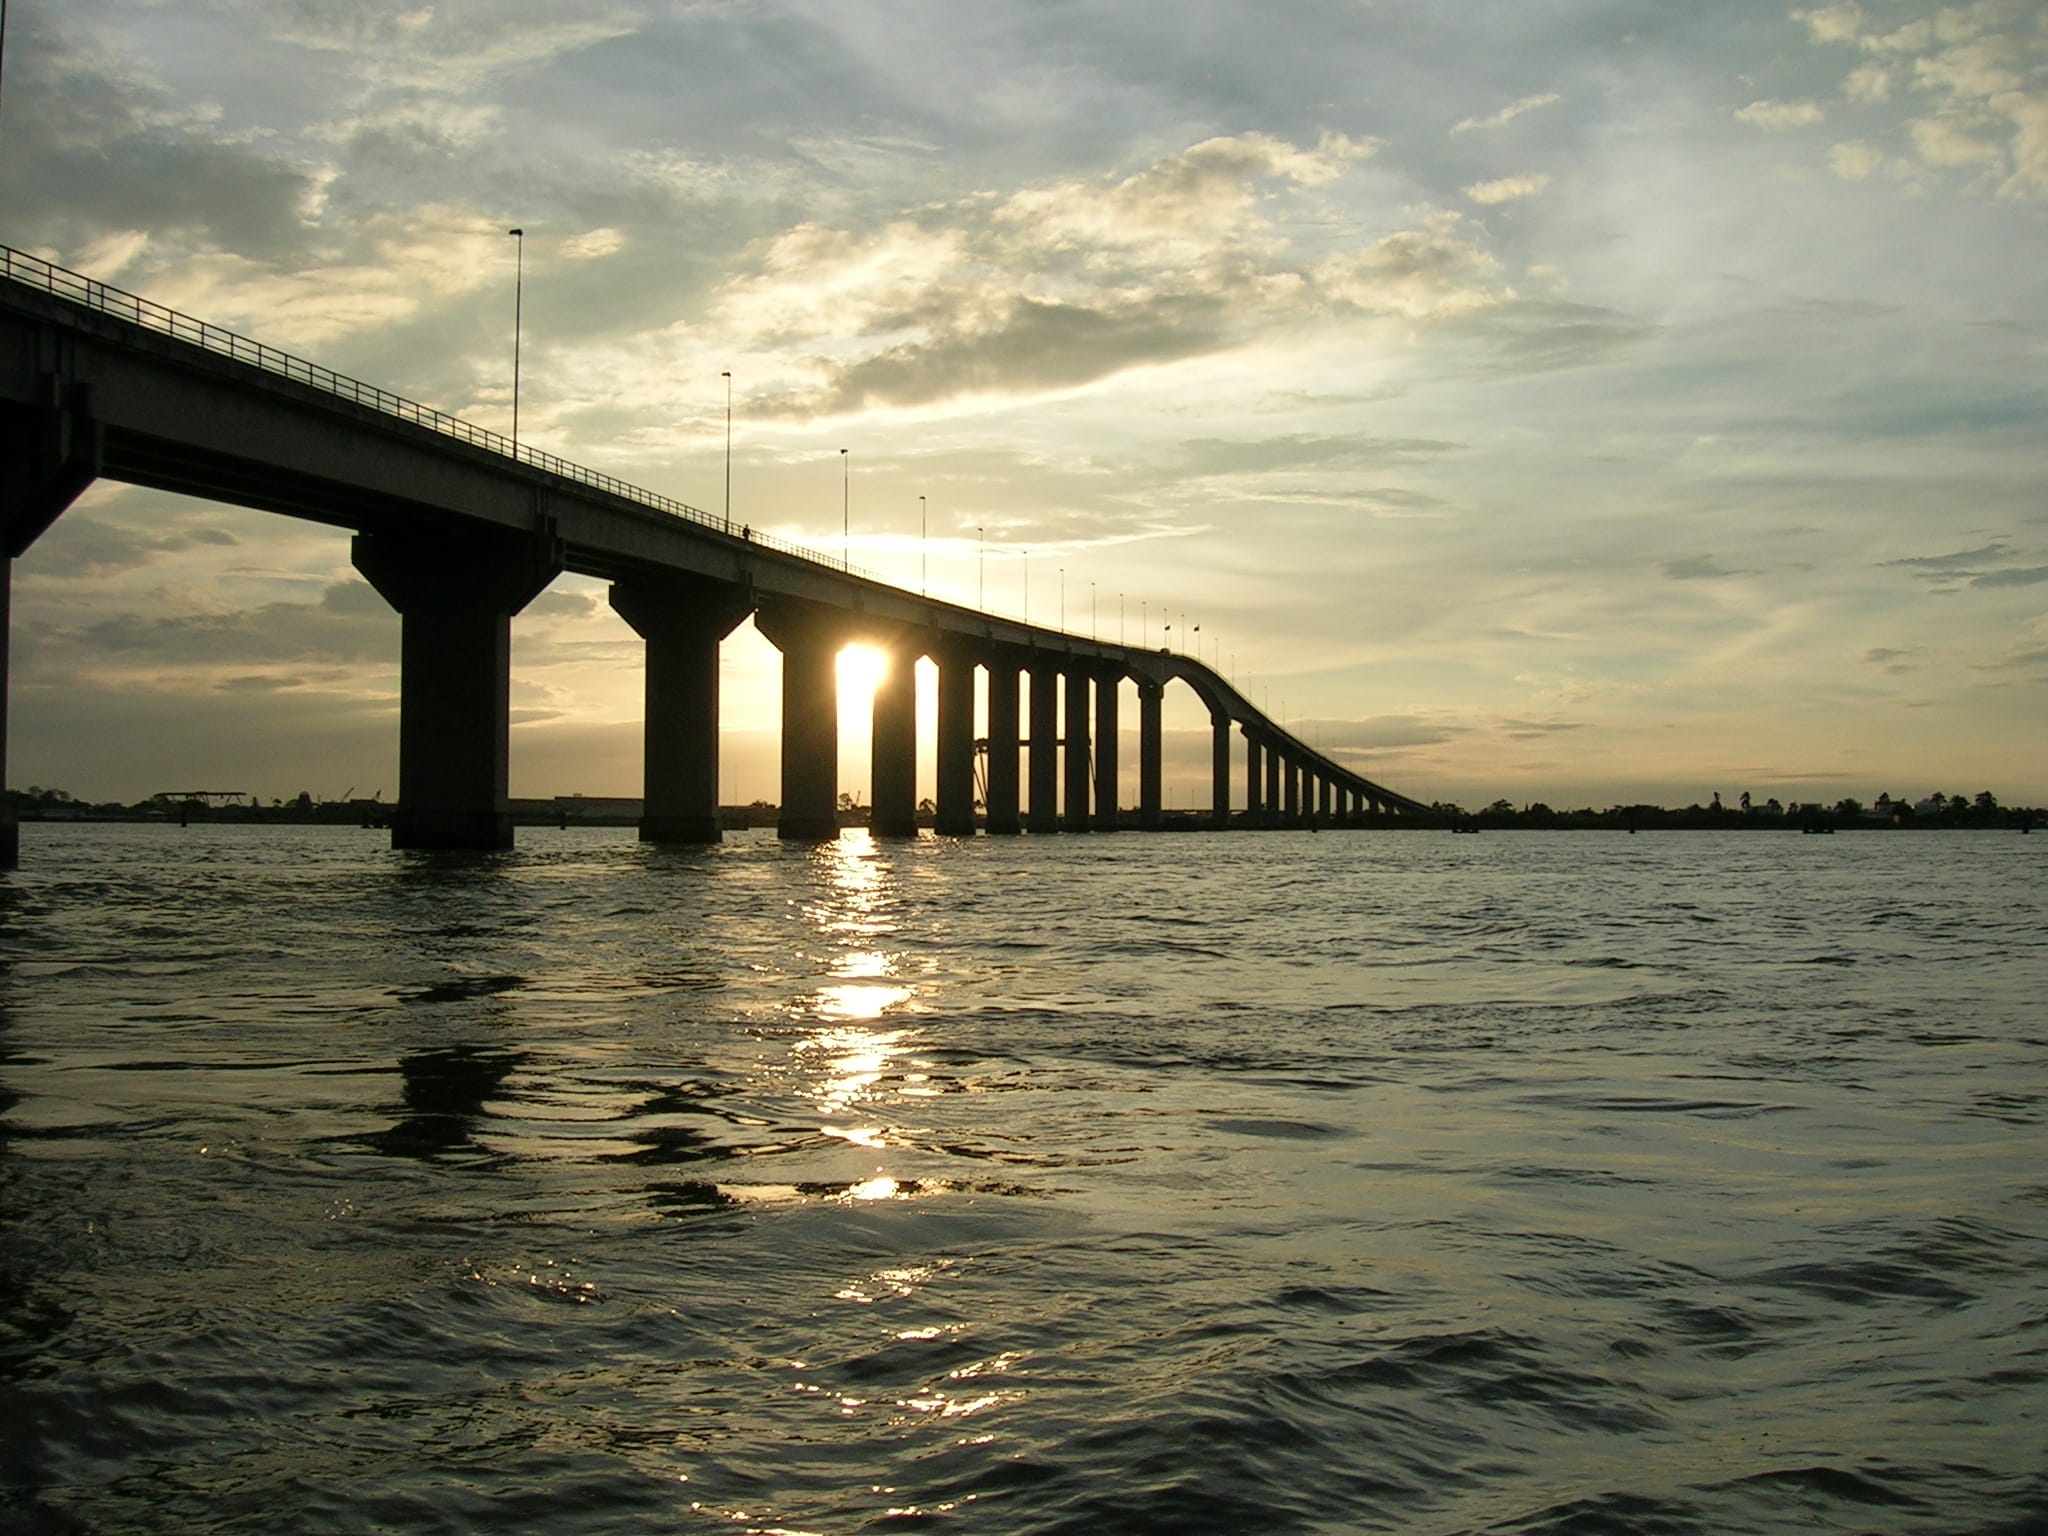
[1400, 1181]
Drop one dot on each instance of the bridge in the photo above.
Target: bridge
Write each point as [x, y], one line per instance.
[459, 528]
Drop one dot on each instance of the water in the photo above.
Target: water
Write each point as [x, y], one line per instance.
[1403, 1182]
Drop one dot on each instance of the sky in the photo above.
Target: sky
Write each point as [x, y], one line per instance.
[1575, 401]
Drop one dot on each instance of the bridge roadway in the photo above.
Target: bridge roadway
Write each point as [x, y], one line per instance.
[459, 531]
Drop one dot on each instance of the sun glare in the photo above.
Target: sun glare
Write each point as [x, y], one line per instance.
[861, 670]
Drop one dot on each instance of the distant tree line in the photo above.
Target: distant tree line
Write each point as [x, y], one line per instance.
[39, 804]
[1933, 810]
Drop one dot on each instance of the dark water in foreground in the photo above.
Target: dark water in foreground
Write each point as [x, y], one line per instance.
[1406, 1182]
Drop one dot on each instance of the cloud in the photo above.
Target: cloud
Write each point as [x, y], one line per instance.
[92, 547]
[1981, 66]
[1508, 189]
[1855, 160]
[349, 625]
[1971, 565]
[1417, 274]
[1698, 568]
[1833, 23]
[454, 47]
[1781, 116]
[1184, 204]
[1060, 284]
[1959, 562]
[1507, 114]
[2031, 576]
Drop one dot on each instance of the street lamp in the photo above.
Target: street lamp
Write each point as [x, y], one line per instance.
[981, 571]
[845, 513]
[924, 552]
[1063, 599]
[518, 308]
[727, 376]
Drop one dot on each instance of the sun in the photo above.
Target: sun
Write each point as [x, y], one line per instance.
[861, 670]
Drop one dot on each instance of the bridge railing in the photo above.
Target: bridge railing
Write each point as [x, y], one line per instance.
[104, 298]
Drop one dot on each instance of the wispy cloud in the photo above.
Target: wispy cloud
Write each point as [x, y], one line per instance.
[1507, 114]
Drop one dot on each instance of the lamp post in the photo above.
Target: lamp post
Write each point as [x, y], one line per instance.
[924, 552]
[1091, 610]
[1027, 586]
[727, 376]
[845, 513]
[981, 570]
[518, 315]
[1063, 599]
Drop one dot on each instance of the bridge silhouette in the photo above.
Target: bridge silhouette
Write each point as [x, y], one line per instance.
[459, 528]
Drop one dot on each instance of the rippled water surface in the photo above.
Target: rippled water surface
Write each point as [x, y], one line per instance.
[1531, 1182]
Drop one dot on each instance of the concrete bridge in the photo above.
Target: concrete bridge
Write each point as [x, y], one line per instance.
[459, 529]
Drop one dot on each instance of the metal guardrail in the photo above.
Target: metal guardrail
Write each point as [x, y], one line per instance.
[103, 298]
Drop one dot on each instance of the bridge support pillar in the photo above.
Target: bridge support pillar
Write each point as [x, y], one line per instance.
[810, 640]
[1272, 764]
[1219, 772]
[1076, 817]
[956, 742]
[1290, 790]
[48, 456]
[682, 620]
[1254, 780]
[893, 751]
[1151, 755]
[1045, 748]
[455, 595]
[1003, 766]
[1106, 700]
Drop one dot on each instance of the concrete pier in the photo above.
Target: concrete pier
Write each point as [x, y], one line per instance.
[1151, 755]
[810, 639]
[49, 453]
[1044, 748]
[1002, 818]
[1219, 770]
[1106, 691]
[682, 620]
[1254, 779]
[893, 753]
[1075, 816]
[455, 595]
[955, 816]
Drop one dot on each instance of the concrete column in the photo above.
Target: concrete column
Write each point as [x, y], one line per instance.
[810, 640]
[1219, 771]
[1290, 791]
[48, 456]
[682, 619]
[1003, 677]
[1076, 817]
[893, 756]
[455, 594]
[1151, 755]
[1272, 757]
[1106, 691]
[10, 829]
[1254, 780]
[956, 742]
[1045, 748]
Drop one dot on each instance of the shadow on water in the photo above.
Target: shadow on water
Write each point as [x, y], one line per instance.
[446, 1092]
